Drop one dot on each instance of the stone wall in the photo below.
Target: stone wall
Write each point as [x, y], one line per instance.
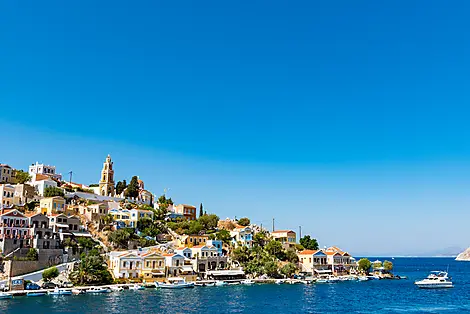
[46, 258]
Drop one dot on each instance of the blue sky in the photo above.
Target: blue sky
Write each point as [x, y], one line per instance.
[348, 118]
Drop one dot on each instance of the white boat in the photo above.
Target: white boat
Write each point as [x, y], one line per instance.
[35, 294]
[116, 288]
[373, 277]
[435, 280]
[362, 278]
[96, 290]
[78, 291]
[4, 296]
[136, 287]
[247, 282]
[220, 283]
[58, 291]
[332, 278]
[322, 280]
[175, 283]
[279, 281]
[204, 284]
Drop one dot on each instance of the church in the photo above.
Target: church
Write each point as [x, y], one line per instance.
[106, 185]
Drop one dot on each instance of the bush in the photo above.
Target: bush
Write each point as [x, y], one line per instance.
[32, 254]
[244, 221]
[50, 273]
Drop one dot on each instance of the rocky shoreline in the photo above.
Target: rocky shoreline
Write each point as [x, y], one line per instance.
[464, 256]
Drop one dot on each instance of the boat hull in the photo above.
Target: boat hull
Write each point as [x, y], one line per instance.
[180, 286]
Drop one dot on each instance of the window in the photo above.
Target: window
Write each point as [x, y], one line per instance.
[148, 264]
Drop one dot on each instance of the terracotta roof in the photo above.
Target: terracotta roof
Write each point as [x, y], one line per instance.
[40, 177]
[198, 246]
[168, 255]
[331, 253]
[32, 214]
[308, 252]
[181, 248]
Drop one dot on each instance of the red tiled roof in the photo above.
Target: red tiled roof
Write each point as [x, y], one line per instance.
[168, 255]
[308, 252]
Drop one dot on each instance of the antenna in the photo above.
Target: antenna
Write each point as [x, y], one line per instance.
[273, 224]
[70, 173]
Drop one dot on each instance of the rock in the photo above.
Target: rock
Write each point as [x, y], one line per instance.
[464, 256]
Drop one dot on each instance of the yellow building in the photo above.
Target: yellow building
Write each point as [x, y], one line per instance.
[153, 266]
[192, 240]
[50, 205]
[286, 237]
[188, 211]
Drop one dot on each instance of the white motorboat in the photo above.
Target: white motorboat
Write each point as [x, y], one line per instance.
[58, 291]
[116, 288]
[322, 280]
[435, 280]
[362, 278]
[4, 296]
[220, 283]
[279, 281]
[175, 283]
[97, 290]
[136, 287]
[78, 291]
[247, 282]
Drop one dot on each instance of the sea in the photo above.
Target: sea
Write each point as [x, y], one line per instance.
[378, 296]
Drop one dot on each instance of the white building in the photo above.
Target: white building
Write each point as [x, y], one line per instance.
[45, 170]
[41, 185]
[7, 193]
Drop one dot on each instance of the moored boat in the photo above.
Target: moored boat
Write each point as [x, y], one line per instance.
[35, 294]
[435, 280]
[136, 287]
[58, 291]
[175, 283]
[78, 291]
[279, 281]
[4, 296]
[247, 282]
[220, 283]
[98, 290]
[116, 288]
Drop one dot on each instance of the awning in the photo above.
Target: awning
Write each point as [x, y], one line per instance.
[226, 272]
[323, 271]
[187, 268]
[157, 272]
[62, 226]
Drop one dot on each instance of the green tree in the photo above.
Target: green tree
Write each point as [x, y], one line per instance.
[209, 222]
[270, 268]
[87, 243]
[275, 248]
[291, 256]
[132, 189]
[241, 254]
[244, 221]
[50, 273]
[388, 266]
[224, 236]
[377, 264]
[107, 219]
[32, 254]
[195, 227]
[260, 238]
[91, 270]
[120, 187]
[51, 191]
[120, 238]
[309, 243]
[288, 269]
[22, 177]
[201, 210]
[364, 265]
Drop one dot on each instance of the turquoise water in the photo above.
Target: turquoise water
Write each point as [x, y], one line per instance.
[381, 296]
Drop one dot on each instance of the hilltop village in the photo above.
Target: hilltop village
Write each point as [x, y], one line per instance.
[46, 220]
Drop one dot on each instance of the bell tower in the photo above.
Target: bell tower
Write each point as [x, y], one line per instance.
[107, 178]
